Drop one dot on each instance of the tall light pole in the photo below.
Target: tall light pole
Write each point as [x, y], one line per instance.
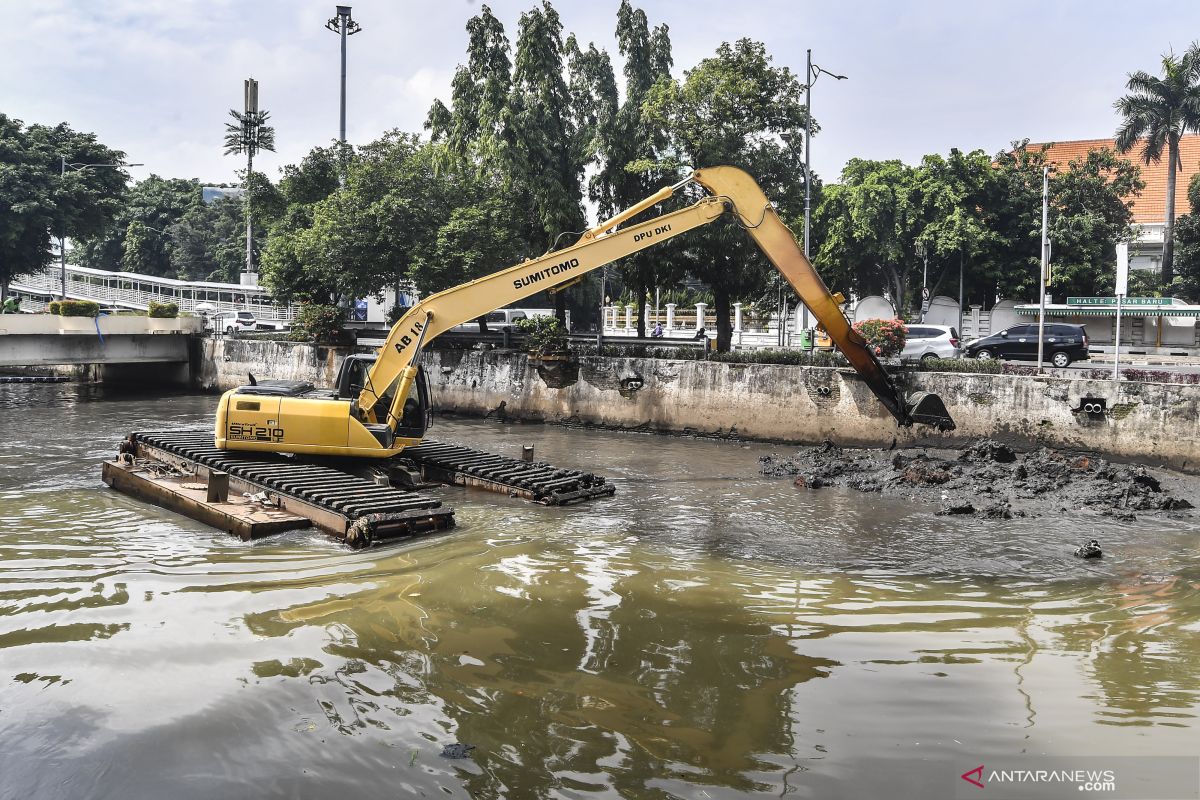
[810, 75]
[1044, 278]
[344, 26]
[62, 231]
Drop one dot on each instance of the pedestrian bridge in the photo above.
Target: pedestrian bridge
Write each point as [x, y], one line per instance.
[34, 340]
[133, 291]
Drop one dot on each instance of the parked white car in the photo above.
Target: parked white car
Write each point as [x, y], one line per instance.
[926, 342]
[230, 321]
[507, 318]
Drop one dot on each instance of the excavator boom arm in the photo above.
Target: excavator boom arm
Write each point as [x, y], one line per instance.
[730, 189]
[444, 310]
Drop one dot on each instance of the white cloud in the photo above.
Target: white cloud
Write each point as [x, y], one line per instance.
[157, 77]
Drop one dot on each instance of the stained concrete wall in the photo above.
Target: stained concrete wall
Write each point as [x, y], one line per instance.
[226, 363]
[1157, 423]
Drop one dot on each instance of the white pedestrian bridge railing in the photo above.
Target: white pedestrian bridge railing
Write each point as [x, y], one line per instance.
[134, 291]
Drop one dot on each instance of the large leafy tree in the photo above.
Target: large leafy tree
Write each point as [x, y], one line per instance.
[139, 238]
[514, 121]
[207, 243]
[871, 221]
[290, 266]
[1155, 114]
[540, 150]
[473, 125]
[629, 145]
[38, 202]
[732, 108]
[406, 211]
[980, 212]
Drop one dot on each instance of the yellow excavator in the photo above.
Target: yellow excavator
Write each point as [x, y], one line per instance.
[381, 406]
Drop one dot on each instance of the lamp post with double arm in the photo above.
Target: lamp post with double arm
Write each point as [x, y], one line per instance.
[62, 230]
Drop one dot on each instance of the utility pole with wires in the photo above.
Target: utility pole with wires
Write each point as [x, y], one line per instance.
[343, 25]
[249, 134]
[810, 77]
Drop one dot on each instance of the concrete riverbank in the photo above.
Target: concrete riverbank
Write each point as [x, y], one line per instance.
[1149, 422]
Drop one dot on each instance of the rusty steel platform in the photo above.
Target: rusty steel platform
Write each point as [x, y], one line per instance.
[532, 480]
[257, 494]
[349, 507]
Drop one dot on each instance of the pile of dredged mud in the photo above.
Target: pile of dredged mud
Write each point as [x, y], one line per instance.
[988, 478]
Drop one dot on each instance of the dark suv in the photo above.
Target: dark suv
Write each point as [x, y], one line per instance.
[1063, 344]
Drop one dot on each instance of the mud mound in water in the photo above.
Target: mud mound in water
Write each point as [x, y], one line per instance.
[987, 479]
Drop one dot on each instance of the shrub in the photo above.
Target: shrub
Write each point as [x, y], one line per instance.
[543, 335]
[75, 308]
[885, 337]
[163, 310]
[1158, 376]
[800, 358]
[317, 323]
[986, 367]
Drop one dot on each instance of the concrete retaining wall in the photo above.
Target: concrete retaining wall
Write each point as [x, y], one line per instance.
[226, 363]
[1156, 423]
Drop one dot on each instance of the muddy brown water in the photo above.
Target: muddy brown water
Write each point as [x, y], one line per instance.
[708, 632]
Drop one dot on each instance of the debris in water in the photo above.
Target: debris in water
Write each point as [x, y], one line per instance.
[1090, 550]
[987, 479]
[457, 750]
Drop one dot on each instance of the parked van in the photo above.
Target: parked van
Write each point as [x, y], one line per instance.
[503, 319]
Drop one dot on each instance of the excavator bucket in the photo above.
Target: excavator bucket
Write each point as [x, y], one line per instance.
[926, 408]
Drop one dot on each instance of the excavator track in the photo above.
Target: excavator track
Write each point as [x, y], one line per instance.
[536, 481]
[353, 508]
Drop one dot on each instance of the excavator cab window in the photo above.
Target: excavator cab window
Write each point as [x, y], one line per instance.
[416, 414]
[353, 376]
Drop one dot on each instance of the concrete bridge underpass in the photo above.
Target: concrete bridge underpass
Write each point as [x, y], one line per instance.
[106, 348]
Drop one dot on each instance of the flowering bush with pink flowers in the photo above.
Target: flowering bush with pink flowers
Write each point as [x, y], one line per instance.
[885, 337]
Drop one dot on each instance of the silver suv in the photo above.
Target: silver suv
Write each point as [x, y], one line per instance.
[927, 342]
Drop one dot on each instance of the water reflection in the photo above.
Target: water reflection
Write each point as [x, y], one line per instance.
[704, 631]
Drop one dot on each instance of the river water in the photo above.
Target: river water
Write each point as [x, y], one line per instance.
[705, 633]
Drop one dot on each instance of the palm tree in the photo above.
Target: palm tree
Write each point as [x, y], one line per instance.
[1158, 111]
[249, 134]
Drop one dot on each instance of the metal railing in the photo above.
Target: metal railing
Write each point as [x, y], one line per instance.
[135, 291]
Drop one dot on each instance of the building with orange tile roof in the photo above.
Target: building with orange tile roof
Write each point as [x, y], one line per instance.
[1150, 207]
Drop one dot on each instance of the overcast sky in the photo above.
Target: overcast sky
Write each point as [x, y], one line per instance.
[156, 77]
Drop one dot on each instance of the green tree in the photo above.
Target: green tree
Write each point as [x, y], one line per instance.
[207, 243]
[1187, 236]
[540, 150]
[514, 122]
[630, 145]
[955, 192]
[290, 210]
[871, 221]
[1156, 113]
[473, 127]
[39, 203]
[732, 108]
[1089, 213]
[138, 240]
[984, 211]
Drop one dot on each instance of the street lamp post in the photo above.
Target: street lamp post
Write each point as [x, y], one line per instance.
[62, 230]
[810, 74]
[1044, 277]
[344, 26]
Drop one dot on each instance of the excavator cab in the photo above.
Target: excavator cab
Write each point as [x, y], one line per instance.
[416, 415]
